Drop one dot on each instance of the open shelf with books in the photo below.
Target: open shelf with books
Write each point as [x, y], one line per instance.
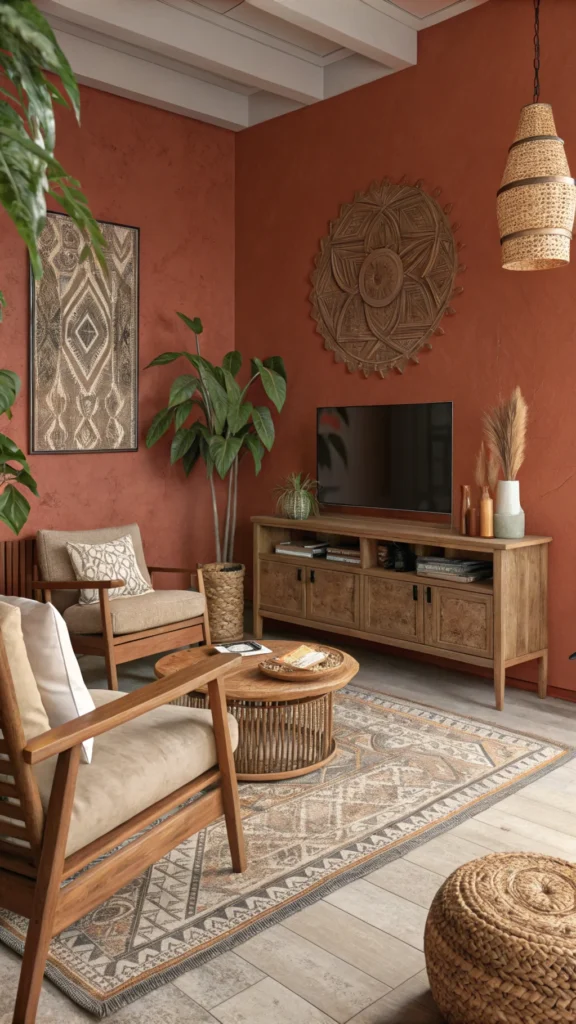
[481, 601]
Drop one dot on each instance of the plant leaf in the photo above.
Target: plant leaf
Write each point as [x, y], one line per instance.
[165, 357]
[9, 388]
[182, 413]
[194, 325]
[264, 425]
[218, 398]
[182, 389]
[254, 444]
[10, 452]
[232, 362]
[274, 385]
[181, 442]
[159, 426]
[192, 455]
[238, 416]
[14, 509]
[276, 363]
[224, 450]
[24, 478]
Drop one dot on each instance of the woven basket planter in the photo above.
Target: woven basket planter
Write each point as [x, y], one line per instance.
[537, 197]
[224, 587]
[500, 942]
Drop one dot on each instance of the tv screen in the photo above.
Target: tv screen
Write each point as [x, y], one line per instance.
[395, 457]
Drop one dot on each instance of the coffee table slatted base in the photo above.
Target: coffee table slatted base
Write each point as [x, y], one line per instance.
[278, 739]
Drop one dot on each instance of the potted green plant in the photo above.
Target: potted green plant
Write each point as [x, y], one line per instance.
[297, 497]
[213, 421]
[28, 171]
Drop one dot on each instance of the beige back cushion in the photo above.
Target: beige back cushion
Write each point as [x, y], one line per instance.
[54, 560]
[32, 714]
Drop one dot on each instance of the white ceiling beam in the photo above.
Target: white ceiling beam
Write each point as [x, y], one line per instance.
[194, 40]
[352, 24]
[142, 80]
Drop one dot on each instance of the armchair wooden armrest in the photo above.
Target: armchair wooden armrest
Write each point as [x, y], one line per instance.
[76, 584]
[107, 717]
[163, 568]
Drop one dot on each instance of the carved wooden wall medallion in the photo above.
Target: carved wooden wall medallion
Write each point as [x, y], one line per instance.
[384, 277]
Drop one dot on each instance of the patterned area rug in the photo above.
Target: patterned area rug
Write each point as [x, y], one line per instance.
[403, 772]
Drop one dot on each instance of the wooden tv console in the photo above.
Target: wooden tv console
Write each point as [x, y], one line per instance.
[496, 623]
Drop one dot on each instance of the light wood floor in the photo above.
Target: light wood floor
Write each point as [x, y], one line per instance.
[357, 956]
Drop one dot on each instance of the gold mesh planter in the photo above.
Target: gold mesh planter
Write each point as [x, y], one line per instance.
[500, 942]
[537, 197]
[224, 589]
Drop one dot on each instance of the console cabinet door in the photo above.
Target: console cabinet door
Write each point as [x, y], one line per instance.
[333, 596]
[393, 608]
[282, 587]
[459, 621]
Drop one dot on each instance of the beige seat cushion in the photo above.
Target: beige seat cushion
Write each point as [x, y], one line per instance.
[32, 713]
[132, 614]
[55, 563]
[137, 764]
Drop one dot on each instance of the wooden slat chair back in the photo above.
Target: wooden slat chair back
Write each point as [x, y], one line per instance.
[33, 861]
[17, 562]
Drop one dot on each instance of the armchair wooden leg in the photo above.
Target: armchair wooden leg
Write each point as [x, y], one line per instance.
[217, 695]
[48, 882]
[108, 635]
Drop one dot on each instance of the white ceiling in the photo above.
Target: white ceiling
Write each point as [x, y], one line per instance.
[238, 62]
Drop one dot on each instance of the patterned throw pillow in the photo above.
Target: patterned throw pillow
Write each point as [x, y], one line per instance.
[112, 560]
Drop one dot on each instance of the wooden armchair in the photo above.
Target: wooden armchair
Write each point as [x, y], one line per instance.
[122, 630]
[48, 824]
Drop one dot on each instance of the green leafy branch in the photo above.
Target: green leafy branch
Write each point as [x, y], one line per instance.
[14, 468]
[28, 168]
[214, 421]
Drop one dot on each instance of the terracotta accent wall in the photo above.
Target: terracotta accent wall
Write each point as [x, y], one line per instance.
[173, 178]
[449, 121]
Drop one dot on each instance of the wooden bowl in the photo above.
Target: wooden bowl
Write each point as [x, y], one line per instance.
[287, 674]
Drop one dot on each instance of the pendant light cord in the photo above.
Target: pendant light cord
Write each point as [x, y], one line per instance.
[536, 98]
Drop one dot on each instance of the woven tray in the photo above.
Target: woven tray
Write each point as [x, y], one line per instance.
[287, 674]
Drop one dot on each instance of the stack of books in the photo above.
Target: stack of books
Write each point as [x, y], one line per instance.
[385, 556]
[459, 570]
[345, 553]
[303, 549]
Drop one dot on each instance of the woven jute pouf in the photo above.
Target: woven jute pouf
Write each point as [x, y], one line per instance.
[224, 587]
[500, 941]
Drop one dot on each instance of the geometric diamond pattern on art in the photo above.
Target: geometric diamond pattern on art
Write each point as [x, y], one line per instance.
[384, 278]
[85, 342]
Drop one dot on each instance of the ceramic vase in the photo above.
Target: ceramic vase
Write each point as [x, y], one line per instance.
[509, 520]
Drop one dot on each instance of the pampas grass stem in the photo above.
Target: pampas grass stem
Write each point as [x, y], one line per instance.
[505, 430]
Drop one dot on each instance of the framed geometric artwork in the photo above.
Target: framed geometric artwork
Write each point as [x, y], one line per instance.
[84, 342]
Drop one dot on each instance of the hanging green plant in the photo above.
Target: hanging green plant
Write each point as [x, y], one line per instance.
[29, 172]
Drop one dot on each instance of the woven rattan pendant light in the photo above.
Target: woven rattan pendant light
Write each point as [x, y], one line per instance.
[537, 198]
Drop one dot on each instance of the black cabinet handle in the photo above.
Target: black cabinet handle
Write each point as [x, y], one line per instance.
[429, 595]
[312, 576]
[415, 593]
[299, 576]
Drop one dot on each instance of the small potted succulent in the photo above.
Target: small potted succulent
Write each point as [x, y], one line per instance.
[297, 497]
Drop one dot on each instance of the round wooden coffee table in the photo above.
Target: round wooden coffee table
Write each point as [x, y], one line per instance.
[285, 729]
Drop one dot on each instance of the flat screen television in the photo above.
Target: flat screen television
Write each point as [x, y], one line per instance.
[393, 457]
